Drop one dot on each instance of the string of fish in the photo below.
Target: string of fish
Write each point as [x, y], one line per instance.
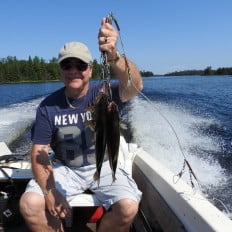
[106, 120]
[106, 77]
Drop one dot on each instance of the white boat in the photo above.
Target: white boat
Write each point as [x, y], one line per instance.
[165, 206]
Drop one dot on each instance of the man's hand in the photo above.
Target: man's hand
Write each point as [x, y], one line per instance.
[56, 204]
[107, 39]
[121, 67]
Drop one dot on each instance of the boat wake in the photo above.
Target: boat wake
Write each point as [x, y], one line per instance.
[152, 131]
[15, 118]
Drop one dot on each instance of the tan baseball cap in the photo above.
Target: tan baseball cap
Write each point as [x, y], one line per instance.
[76, 50]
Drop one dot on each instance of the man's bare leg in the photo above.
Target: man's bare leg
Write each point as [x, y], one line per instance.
[32, 207]
[120, 217]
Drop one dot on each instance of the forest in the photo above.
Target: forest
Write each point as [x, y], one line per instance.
[38, 70]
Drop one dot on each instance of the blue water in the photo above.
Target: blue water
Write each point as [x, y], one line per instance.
[198, 108]
[208, 97]
[21, 92]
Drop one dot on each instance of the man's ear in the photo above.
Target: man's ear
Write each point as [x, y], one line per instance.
[90, 72]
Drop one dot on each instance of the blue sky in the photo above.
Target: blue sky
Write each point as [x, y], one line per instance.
[159, 35]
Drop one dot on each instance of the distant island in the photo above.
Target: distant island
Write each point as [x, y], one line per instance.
[206, 72]
[37, 69]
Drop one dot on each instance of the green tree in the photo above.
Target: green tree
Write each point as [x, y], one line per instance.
[208, 71]
[146, 73]
[96, 70]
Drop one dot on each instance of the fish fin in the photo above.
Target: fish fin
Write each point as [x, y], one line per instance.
[123, 125]
[91, 124]
[96, 176]
[113, 179]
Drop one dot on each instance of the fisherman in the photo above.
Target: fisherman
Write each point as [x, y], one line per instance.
[61, 124]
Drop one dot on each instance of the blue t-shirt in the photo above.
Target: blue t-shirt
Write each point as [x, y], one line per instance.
[65, 129]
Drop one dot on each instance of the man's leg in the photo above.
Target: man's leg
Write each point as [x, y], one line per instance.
[119, 217]
[32, 207]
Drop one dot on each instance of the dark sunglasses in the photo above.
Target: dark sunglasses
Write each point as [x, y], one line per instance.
[67, 64]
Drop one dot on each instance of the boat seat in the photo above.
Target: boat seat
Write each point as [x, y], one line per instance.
[88, 207]
[4, 149]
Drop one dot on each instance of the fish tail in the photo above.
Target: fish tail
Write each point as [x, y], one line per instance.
[114, 177]
[113, 167]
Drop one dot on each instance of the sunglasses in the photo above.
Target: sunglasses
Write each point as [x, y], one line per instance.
[67, 64]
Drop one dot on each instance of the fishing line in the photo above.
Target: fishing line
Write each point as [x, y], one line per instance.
[131, 82]
[179, 175]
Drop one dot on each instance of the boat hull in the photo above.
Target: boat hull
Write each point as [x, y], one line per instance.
[176, 206]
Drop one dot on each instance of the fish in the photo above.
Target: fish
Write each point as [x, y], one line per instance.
[100, 117]
[113, 138]
[105, 123]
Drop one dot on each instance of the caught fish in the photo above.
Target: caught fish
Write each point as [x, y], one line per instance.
[105, 124]
[113, 138]
[100, 118]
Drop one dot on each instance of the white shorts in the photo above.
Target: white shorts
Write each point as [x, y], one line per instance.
[73, 181]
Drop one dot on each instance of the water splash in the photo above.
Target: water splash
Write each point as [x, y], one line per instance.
[15, 118]
[153, 133]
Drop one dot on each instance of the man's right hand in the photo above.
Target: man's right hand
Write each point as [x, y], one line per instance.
[56, 204]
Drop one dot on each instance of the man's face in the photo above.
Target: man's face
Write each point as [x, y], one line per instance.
[75, 73]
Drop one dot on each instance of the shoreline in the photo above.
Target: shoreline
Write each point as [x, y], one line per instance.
[25, 82]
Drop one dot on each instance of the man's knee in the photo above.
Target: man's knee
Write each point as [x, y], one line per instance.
[126, 209]
[31, 204]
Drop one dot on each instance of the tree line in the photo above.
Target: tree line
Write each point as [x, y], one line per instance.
[37, 69]
[207, 72]
[147, 74]
[33, 69]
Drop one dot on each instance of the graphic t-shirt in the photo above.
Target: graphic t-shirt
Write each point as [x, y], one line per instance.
[65, 128]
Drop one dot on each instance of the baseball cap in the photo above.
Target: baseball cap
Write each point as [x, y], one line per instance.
[75, 50]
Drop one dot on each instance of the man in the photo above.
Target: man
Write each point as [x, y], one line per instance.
[60, 123]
